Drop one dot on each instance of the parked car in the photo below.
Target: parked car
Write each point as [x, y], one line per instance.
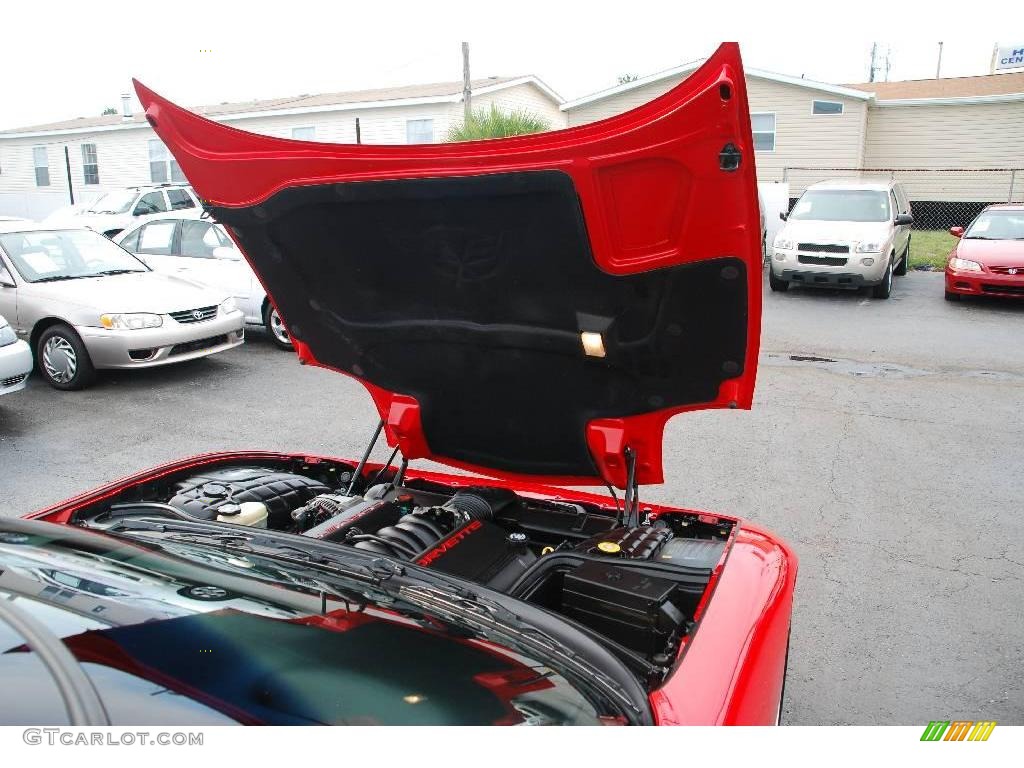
[844, 233]
[988, 260]
[15, 358]
[115, 211]
[84, 303]
[530, 327]
[200, 250]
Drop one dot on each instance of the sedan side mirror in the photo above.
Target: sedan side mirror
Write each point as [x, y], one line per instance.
[226, 252]
[956, 231]
[783, 215]
[903, 220]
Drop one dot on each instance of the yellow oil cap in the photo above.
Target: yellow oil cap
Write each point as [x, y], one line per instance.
[610, 547]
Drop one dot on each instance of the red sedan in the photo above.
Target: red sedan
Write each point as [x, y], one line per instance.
[989, 259]
[530, 310]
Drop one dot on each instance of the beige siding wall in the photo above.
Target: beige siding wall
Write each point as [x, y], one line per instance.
[950, 136]
[801, 138]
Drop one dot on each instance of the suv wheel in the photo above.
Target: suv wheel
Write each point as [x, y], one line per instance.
[275, 328]
[884, 289]
[777, 283]
[62, 358]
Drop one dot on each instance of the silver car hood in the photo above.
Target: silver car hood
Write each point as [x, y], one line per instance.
[135, 292]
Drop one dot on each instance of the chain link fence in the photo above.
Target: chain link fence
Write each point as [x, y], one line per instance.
[941, 197]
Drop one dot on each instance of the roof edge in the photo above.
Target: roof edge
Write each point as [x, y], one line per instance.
[762, 74]
[448, 98]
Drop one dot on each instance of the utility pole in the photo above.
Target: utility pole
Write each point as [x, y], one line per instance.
[938, 65]
[67, 166]
[467, 90]
[871, 67]
[992, 63]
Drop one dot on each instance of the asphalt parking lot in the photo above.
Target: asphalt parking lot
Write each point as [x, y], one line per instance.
[889, 452]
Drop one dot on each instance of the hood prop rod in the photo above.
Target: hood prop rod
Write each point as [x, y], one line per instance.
[631, 503]
[366, 456]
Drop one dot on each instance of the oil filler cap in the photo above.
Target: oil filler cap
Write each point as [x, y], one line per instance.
[609, 547]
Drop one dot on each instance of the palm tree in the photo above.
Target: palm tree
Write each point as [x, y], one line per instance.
[493, 123]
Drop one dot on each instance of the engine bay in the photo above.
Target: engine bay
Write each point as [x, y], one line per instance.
[634, 583]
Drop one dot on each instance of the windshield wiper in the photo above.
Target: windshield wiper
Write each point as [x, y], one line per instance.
[115, 272]
[55, 278]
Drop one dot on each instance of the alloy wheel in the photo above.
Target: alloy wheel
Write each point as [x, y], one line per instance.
[60, 361]
[277, 328]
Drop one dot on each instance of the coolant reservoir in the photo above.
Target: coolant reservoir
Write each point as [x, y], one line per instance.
[251, 513]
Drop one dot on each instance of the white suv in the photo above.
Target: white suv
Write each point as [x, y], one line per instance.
[116, 211]
[844, 234]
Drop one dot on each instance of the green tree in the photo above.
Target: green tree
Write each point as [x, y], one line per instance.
[109, 111]
[493, 123]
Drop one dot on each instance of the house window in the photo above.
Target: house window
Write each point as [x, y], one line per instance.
[304, 132]
[419, 131]
[162, 167]
[42, 164]
[90, 165]
[826, 107]
[763, 126]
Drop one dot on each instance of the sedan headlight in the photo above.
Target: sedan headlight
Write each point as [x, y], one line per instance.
[784, 243]
[964, 265]
[228, 305]
[869, 246]
[131, 321]
[7, 335]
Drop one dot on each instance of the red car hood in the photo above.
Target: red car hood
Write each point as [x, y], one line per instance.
[460, 281]
[992, 253]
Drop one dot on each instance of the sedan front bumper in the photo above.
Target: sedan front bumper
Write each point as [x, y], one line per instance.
[15, 366]
[172, 342]
[985, 283]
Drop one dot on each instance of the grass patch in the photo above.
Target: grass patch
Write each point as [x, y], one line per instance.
[930, 246]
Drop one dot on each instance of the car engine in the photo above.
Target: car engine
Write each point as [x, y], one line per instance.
[634, 585]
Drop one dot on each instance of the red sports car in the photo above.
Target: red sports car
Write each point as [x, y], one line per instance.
[989, 259]
[530, 310]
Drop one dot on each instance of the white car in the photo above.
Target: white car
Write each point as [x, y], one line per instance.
[15, 360]
[200, 250]
[844, 234]
[116, 211]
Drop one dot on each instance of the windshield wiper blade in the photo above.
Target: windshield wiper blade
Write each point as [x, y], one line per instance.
[55, 278]
[116, 272]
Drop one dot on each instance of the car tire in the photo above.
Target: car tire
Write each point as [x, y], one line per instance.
[950, 296]
[278, 334]
[904, 265]
[884, 289]
[62, 359]
[777, 283]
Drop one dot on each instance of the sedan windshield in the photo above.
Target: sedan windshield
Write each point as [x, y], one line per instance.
[997, 225]
[113, 202]
[66, 255]
[842, 205]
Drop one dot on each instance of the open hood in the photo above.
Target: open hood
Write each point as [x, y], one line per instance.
[531, 306]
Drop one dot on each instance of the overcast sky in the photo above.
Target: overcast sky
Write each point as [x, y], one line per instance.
[202, 53]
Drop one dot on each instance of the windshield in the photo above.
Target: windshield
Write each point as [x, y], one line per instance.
[842, 205]
[997, 225]
[113, 202]
[66, 255]
[207, 626]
